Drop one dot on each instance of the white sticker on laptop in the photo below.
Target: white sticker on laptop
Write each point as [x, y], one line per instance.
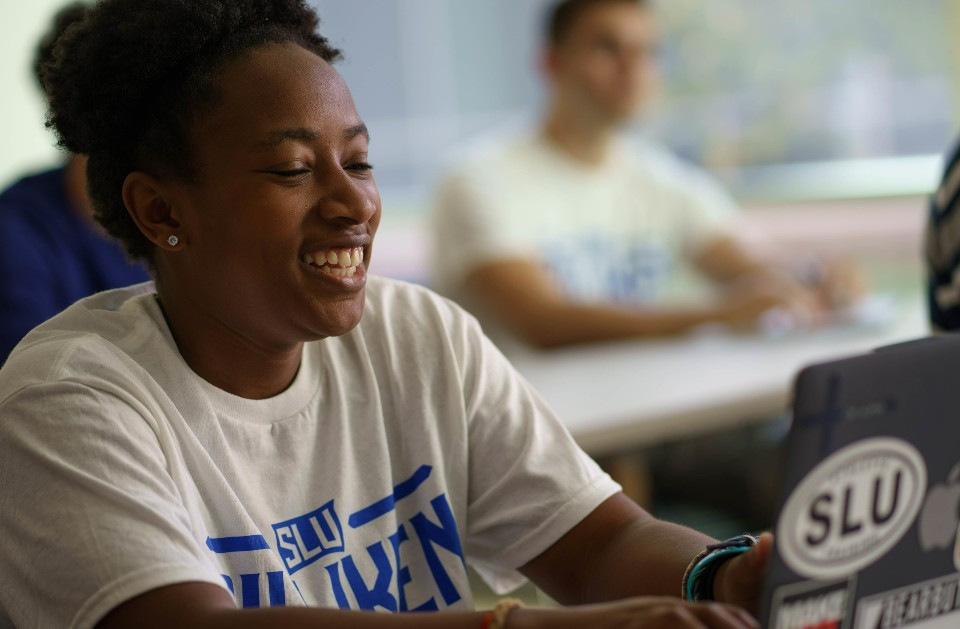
[928, 605]
[852, 508]
[811, 604]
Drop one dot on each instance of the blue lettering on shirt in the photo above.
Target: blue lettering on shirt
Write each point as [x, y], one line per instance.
[307, 538]
[443, 535]
[237, 544]
[388, 504]
[250, 589]
[377, 579]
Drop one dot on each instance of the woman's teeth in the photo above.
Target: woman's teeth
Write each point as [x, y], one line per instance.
[341, 261]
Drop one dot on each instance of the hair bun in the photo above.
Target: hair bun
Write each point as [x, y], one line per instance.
[124, 84]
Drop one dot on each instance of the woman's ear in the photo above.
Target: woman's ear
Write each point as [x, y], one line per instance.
[150, 204]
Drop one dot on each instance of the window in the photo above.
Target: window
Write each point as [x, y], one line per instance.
[754, 86]
[816, 98]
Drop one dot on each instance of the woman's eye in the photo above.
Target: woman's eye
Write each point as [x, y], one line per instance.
[360, 166]
[296, 172]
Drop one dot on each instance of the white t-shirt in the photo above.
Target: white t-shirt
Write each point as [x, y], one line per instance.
[401, 450]
[613, 232]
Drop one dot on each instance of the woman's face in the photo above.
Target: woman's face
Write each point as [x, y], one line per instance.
[277, 229]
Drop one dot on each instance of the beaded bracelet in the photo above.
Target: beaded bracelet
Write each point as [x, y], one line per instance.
[698, 580]
[497, 617]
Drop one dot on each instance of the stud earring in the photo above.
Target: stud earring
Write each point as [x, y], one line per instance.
[173, 241]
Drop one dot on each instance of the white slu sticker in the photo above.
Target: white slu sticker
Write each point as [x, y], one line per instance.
[852, 508]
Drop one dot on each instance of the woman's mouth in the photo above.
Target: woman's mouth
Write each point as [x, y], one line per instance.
[339, 261]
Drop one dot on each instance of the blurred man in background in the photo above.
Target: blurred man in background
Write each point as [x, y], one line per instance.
[570, 234]
[51, 252]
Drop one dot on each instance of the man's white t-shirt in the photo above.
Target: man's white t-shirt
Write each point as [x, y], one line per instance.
[608, 233]
[401, 450]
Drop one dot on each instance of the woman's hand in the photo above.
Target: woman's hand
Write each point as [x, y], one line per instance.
[637, 613]
[740, 581]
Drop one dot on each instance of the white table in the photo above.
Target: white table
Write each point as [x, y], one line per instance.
[619, 396]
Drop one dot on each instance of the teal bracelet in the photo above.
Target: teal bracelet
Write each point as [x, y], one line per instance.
[698, 580]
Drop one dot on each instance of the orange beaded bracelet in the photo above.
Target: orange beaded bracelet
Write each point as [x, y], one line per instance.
[497, 617]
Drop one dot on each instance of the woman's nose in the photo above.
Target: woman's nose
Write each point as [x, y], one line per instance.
[347, 198]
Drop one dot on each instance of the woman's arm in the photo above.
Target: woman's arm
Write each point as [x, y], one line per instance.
[616, 552]
[196, 605]
[620, 551]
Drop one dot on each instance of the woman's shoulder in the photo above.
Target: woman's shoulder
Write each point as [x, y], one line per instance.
[97, 334]
[386, 292]
[411, 312]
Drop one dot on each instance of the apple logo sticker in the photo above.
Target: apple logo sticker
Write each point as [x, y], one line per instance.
[940, 517]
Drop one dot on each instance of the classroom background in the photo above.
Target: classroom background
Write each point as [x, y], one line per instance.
[803, 111]
[827, 121]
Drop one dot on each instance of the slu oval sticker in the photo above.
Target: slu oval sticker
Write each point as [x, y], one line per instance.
[852, 508]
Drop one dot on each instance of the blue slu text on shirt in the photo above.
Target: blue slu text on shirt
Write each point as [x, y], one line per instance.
[413, 556]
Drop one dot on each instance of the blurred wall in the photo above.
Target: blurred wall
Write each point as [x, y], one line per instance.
[428, 74]
[424, 73]
[25, 145]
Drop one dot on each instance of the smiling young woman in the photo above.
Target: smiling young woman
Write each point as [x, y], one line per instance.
[267, 426]
[281, 174]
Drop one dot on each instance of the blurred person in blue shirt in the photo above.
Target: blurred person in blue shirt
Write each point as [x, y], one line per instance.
[51, 251]
[571, 233]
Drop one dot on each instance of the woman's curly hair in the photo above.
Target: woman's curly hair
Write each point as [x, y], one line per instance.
[125, 84]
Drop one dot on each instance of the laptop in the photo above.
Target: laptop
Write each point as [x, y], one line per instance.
[869, 511]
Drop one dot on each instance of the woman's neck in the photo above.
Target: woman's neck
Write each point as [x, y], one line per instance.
[224, 357]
